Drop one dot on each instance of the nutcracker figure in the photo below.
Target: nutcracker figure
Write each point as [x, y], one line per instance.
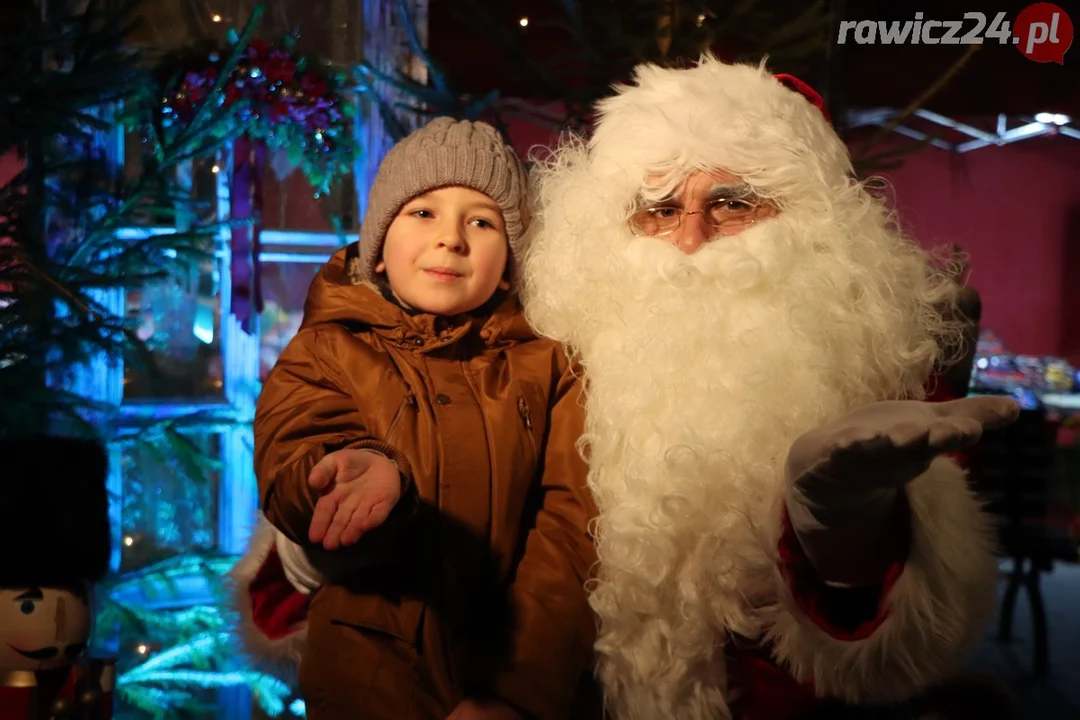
[54, 528]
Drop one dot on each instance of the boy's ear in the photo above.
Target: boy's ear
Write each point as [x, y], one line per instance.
[380, 266]
[504, 284]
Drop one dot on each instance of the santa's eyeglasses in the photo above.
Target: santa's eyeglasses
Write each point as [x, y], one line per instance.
[726, 215]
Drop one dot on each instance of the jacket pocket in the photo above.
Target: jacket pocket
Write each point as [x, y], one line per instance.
[532, 408]
[407, 404]
[525, 412]
[373, 614]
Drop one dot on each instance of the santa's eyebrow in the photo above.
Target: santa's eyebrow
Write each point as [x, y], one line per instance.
[720, 191]
[728, 191]
[33, 593]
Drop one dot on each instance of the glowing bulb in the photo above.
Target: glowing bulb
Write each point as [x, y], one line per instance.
[142, 649]
[128, 540]
[215, 17]
[524, 22]
[1052, 118]
[700, 20]
[216, 169]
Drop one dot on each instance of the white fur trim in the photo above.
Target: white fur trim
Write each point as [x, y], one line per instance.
[279, 657]
[937, 610]
[298, 569]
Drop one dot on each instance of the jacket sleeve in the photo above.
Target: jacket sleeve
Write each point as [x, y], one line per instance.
[932, 608]
[554, 629]
[304, 413]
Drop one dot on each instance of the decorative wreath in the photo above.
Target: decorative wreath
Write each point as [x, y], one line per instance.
[292, 102]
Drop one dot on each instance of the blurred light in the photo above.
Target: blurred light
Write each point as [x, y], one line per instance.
[142, 649]
[216, 169]
[700, 20]
[129, 541]
[524, 22]
[1052, 118]
[215, 17]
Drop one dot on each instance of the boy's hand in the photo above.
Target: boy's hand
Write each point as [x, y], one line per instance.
[360, 489]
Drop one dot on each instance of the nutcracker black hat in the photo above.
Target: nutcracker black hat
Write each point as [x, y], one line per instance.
[54, 512]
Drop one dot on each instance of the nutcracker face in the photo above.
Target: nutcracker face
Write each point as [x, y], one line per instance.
[42, 628]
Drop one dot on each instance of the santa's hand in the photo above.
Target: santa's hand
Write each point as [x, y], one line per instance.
[844, 477]
[886, 445]
[361, 488]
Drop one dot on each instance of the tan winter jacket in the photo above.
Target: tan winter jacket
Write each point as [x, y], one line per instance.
[476, 583]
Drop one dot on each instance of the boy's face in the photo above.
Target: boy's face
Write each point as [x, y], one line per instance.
[446, 251]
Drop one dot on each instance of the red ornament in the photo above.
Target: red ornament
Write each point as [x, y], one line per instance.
[258, 50]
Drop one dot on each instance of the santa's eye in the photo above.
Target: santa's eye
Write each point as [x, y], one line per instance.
[28, 607]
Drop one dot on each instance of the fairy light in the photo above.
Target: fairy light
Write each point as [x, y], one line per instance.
[524, 22]
[129, 541]
[215, 17]
[142, 648]
[216, 169]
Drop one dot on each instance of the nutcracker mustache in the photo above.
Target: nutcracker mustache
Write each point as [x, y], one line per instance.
[48, 653]
[43, 654]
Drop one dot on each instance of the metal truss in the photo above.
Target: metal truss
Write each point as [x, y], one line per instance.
[961, 136]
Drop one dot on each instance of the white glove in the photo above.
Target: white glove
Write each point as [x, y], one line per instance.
[844, 478]
[298, 569]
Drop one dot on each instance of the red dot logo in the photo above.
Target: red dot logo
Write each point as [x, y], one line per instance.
[1043, 32]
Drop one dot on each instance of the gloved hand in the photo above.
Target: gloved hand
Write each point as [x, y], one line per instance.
[844, 478]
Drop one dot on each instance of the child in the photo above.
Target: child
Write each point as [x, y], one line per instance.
[418, 441]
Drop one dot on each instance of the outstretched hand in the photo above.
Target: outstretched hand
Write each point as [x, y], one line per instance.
[886, 445]
[360, 489]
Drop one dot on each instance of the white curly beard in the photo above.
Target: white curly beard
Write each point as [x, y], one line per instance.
[701, 370]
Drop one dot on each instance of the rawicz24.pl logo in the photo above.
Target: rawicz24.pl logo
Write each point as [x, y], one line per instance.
[1042, 31]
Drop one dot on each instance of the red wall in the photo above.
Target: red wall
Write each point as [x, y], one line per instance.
[1016, 210]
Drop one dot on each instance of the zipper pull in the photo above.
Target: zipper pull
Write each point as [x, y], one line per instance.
[523, 410]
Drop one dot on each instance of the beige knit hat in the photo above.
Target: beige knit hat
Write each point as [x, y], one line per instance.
[442, 153]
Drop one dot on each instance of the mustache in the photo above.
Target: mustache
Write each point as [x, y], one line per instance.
[47, 653]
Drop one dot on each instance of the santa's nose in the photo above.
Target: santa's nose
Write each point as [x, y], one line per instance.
[692, 234]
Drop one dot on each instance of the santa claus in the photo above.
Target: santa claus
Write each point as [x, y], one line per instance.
[778, 520]
[781, 534]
